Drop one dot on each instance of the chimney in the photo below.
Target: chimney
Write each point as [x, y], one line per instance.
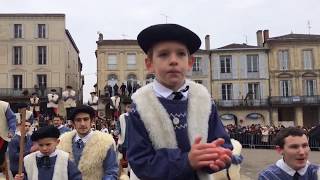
[265, 35]
[207, 42]
[259, 38]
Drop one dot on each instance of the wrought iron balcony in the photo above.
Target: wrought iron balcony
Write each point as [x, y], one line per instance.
[293, 100]
[242, 103]
[20, 93]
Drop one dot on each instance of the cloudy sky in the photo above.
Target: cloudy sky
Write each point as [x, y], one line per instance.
[226, 21]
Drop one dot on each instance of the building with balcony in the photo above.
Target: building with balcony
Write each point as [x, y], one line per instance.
[120, 61]
[240, 84]
[37, 54]
[294, 68]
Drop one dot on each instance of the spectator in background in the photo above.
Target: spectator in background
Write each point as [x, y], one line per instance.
[292, 144]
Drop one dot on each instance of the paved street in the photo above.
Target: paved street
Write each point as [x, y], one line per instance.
[257, 159]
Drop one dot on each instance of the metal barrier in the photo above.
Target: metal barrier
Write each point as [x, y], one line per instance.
[258, 141]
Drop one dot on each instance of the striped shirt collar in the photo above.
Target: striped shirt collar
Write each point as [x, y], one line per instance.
[286, 168]
[162, 91]
[84, 139]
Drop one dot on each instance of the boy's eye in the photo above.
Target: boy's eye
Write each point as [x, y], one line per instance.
[163, 54]
[182, 53]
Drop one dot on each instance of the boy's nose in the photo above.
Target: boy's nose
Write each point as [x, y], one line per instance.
[173, 59]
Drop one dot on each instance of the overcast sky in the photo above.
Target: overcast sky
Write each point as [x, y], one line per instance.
[226, 21]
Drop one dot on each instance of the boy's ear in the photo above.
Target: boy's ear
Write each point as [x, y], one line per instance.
[279, 150]
[149, 65]
[58, 141]
[190, 62]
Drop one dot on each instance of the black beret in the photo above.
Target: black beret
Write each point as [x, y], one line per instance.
[148, 37]
[53, 90]
[82, 109]
[69, 87]
[45, 132]
[34, 93]
[22, 105]
[127, 101]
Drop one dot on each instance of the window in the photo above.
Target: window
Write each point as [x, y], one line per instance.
[18, 31]
[41, 31]
[17, 55]
[112, 61]
[196, 64]
[17, 81]
[42, 80]
[226, 91]
[285, 88]
[254, 90]
[225, 64]
[283, 59]
[307, 59]
[252, 63]
[310, 87]
[42, 55]
[131, 61]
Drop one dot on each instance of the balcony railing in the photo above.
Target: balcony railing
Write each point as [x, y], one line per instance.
[281, 100]
[242, 102]
[42, 93]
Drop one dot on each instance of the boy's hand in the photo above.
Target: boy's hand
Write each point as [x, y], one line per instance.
[34, 148]
[10, 135]
[19, 176]
[224, 156]
[209, 155]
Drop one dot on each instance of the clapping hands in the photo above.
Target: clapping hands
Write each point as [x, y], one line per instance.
[211, 155]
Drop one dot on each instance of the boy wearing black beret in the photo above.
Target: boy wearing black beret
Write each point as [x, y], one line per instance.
[48, 163]
[14, 146]
[174, 130]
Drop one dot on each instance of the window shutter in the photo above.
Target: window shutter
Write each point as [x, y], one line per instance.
[234, 66]
[236, 91]
[314, 87]
[289, 88]
[281, 88]
[216, 67]
[243, 66]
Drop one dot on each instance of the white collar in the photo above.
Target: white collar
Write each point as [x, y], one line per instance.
[84, 139]
[284, 166]
[162, 91]
[39, 154]
[61, 126]
[19, 133]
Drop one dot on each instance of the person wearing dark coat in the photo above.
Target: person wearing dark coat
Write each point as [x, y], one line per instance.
[129, 88]
[123, 89]
[116, 88]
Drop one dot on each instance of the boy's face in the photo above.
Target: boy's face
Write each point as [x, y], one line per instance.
[57, 121]
[27, 126]
[128, 108]
[47, 145]
[295, 151]
[82, 123]
[170, 62]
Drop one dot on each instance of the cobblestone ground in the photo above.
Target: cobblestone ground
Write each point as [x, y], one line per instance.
[256, 160]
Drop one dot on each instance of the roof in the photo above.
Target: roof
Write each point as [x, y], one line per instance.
[72, 41]
[295, 37]
[31, 15]
[118, 42]
[237, 46]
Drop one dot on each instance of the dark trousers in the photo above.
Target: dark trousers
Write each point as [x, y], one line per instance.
[3, 151]
[69, 112]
